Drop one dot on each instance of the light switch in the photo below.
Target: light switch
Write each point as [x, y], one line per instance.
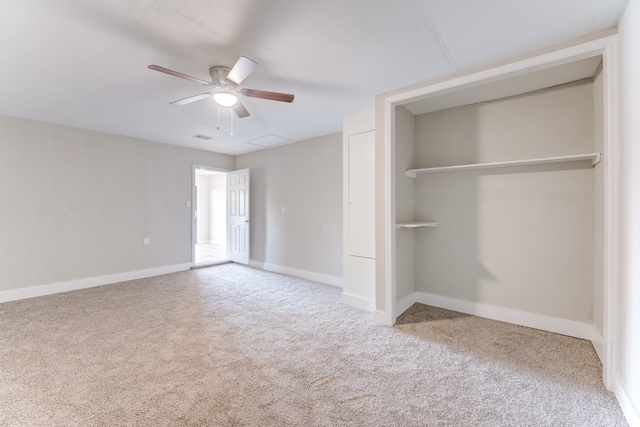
[147, 241]
[188, 203]
[284, 211]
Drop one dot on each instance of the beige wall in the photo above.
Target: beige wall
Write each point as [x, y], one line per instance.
[520, 238]
[76, 204]
[306, 179]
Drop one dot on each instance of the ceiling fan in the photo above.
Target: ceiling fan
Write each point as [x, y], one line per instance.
[225, 81]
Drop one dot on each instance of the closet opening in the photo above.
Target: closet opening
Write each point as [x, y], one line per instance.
[501, 196]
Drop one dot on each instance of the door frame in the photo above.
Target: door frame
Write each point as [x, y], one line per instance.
[194, 236]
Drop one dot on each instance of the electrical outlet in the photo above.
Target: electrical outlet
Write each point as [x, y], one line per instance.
[318, 229]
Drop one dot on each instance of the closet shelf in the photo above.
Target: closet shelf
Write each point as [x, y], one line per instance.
[594, 157]
[416, 224]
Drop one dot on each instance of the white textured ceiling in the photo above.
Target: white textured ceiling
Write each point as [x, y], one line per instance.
[83, 63]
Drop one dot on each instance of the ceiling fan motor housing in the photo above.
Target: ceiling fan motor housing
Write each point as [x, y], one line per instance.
[219, 75]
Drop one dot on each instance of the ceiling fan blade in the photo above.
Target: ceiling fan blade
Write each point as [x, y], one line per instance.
[240, 110]
[244, 66]
[191, 99]
[273, 96]
[179, 74]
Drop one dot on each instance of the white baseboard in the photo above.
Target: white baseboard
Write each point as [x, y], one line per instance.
[383, 318]
[358, 302]
[631, 412]
[302, 274]
[403, 304]
[598, 344]
[89, 282]
[517, 317]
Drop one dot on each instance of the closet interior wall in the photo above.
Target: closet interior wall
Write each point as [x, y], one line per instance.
[524, 238]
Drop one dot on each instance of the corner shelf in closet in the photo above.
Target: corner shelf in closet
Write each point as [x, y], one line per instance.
[416, 224]
[594, 157]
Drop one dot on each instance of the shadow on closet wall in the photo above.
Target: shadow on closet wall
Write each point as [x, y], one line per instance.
[448, 262]
[442, 260]
[522, 237]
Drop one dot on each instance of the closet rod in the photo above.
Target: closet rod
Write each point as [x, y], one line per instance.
[594, 157]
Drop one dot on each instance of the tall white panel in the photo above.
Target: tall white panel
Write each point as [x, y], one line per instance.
[361, 202]
[359, 210]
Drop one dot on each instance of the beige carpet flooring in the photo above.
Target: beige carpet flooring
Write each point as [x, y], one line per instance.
[234, 346]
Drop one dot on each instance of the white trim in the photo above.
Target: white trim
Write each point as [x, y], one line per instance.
[358, 302]
[531, 320]
[89, 282]
[390, 212]
[345, 187]
[192, 218]
[405, 303]
[611, 214]
[631, 413]
[524, 66]
[597, 342]
[383, 318]
[302, 274]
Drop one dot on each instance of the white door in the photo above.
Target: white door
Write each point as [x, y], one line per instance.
[238, 225]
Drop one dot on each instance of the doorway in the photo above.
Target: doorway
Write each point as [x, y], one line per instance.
[210, 243]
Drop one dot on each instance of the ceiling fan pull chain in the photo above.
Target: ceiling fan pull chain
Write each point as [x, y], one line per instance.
[218, 127]
[231, 115]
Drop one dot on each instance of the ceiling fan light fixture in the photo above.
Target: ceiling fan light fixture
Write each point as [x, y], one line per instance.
[225, 99]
